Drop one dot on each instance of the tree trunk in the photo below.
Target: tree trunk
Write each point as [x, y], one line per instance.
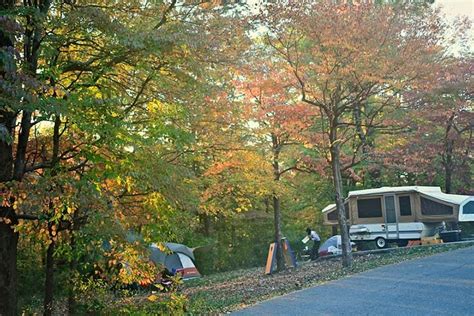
[23, 137]
[8, 255]
[359, 128]
[49, 280]
[337, 178]
[7, 123]
[276, 203]
[278, 235]
[71, 302]
[8, 237]
[13, 168]
[448, 175]
[448, 156]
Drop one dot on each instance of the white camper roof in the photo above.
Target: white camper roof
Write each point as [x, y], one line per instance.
[450, 198]
[384, 190]
[434, 192]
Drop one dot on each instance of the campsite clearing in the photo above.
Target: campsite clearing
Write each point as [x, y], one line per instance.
[234, 290]
[231, 291]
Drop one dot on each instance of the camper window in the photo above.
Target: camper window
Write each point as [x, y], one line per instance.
[468, 208]
[367, 208]
[405, 205]
[430, 207]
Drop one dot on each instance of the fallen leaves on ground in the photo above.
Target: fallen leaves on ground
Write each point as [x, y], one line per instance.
[250, 286]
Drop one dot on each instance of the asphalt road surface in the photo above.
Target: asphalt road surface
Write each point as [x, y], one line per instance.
[442, 284]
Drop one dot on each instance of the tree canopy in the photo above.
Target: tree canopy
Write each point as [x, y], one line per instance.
[213, 123]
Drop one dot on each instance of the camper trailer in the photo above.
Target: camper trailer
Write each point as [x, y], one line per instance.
[399, 214]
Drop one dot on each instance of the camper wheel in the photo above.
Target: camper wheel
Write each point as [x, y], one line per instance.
[381, 243]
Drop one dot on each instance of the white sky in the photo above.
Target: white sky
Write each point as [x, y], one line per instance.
[453, 8]
[450, 8]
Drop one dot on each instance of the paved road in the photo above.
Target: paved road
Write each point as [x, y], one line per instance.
[438, 285]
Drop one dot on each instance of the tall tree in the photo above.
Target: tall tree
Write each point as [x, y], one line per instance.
[346, 55]
[92, 72]
[438, 140]
[277, 120]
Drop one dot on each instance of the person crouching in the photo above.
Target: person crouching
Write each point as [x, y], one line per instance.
[316, 242]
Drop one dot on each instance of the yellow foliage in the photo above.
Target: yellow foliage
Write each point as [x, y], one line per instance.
[152, 298]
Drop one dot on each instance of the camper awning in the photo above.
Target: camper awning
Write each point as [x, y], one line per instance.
[329, 208]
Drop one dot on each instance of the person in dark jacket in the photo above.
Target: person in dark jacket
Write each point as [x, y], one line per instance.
[316, 242]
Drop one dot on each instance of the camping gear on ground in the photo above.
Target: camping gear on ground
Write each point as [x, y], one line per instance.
[304, 254]
[450, 235]
[332, 246]
[179, 259]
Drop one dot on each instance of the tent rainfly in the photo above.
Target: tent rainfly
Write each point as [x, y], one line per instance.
[179, 259]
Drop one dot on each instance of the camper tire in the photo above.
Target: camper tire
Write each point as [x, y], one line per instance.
[380, 242]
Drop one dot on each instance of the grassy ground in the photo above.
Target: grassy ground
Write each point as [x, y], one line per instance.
[224, 292]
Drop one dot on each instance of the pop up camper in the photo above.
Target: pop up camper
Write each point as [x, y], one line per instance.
[400, 213]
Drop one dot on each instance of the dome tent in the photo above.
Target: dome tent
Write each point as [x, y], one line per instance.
[332, 246]
[179, 259]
